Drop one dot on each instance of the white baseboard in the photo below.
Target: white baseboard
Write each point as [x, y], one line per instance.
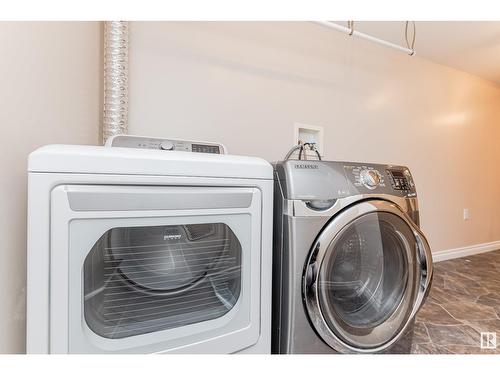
[460, 252]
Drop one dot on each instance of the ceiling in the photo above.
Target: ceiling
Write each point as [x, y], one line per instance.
[473, 47]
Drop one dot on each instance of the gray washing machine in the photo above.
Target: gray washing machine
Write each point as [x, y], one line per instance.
[351, 266]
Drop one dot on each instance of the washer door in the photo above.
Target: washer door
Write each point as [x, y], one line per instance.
[366, 277]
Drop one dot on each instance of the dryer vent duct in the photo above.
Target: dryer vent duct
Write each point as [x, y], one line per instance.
[115, 115]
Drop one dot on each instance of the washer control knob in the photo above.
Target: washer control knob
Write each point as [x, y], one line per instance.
[167, 145]
[370, 178]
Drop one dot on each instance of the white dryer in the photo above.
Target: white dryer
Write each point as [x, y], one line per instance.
[148, 251]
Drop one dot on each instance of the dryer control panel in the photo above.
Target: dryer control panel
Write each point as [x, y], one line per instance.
[165, 144]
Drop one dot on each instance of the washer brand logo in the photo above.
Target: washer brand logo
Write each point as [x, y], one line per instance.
[306, 166]
[488, 340]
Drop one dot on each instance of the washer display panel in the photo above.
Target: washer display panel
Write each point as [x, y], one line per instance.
[365, 281]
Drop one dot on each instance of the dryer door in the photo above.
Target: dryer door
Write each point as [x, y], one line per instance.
[366, 277]
[143, 269]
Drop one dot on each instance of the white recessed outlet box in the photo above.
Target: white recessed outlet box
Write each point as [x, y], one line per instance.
[309, 134]
[466, 214]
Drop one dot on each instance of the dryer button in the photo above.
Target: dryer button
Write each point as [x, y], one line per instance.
[167, 145]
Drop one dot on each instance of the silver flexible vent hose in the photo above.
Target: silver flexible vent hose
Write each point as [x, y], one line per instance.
[115, 115]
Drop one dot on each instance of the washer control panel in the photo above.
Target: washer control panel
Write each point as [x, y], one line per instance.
[383, 179]
[370, 178]
[365, 176]
[401, 180]
[164, 144]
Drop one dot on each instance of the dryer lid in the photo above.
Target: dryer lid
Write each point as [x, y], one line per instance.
[117, 160]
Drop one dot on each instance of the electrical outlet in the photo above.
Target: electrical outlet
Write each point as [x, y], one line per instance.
[466, 214]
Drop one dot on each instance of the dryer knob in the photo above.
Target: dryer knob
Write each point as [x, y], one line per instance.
[370, 178]
[167, 145]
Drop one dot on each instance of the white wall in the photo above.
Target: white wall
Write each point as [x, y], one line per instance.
[245, 84]
[49, 93]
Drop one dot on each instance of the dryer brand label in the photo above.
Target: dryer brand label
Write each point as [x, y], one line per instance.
[168, 237]
[306, 166]
[172, 234]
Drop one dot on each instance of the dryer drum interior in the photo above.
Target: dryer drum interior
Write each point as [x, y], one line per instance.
[139, 280]
[367, 280]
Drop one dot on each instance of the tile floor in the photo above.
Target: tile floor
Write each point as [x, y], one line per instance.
[464, 301]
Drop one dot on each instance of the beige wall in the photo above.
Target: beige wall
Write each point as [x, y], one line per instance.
[246, 84]
[49, 93]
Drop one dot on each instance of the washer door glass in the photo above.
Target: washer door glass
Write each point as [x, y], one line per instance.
[143, 279]
[367, 280]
